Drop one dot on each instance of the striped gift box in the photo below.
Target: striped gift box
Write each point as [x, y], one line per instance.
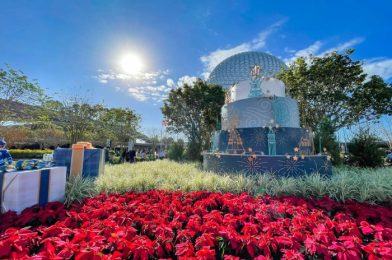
[23, 189]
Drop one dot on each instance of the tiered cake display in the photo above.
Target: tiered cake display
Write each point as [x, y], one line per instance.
[260, 125]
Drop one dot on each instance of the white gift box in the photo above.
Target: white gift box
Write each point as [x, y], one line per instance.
[23, 189]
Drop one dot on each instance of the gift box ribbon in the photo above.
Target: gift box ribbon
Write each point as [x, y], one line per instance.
[1, 189]
[44, 184]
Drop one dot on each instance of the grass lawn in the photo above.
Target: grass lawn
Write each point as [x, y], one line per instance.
[363, 185]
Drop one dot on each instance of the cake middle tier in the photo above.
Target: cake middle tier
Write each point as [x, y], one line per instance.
[260, 112]
[286, 140]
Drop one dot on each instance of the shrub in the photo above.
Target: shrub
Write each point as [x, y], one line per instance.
[114, 158]
[193, 151]
[29, 154]
[176, 151]
[364, 150]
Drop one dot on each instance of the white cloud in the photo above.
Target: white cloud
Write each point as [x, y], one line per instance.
[170, 82]
[315, 48]
[105, 77]
[146, 93]
[260, 41]
[140, 97]
[160, 93]
[189, 80]
[344, 46]
[306, 52]
[288, 50]
[142, 86]
[215, 57]
[381, 67]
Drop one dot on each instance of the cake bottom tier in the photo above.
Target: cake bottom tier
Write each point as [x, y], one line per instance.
[286, 140]
[279, 165]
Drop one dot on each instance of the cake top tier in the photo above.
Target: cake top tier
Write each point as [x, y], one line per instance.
[262, 87]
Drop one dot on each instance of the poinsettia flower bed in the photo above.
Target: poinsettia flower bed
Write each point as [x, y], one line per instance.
[198, 225]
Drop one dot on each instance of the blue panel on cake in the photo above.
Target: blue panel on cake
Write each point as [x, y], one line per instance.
[279, 165]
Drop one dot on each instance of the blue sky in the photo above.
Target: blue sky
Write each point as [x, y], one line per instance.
[73, 48]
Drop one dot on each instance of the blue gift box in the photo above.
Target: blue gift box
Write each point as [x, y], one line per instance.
[93, 161]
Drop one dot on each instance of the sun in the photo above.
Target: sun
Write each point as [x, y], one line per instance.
[131, 63]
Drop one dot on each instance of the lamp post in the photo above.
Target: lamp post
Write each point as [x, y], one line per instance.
[319, 132]
[320, 144]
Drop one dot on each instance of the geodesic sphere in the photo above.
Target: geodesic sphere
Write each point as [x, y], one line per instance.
[237, 68]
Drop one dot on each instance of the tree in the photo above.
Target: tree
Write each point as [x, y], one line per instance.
[118, 124]
[153, 137]
[16, 88]
[385, 131]
[193, 110]
[335, 88]
[79, 119]
[167, 141]
[76, 117]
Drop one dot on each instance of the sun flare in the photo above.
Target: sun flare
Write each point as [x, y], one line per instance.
[131, 63]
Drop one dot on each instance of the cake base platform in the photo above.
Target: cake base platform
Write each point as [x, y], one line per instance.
[278, 165]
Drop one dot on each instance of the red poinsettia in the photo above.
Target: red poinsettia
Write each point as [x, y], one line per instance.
[198, 225]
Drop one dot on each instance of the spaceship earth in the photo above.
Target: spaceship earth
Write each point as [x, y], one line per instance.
[237, 67]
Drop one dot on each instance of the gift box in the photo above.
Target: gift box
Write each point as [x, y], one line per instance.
[80, 161]
[23, 189]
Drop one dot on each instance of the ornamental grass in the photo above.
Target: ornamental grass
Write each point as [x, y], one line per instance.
[347, 183]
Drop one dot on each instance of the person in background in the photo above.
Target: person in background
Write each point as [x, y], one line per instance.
[389, 157]
[107, 157]
[142, 155]
[161, 154]
[132, 155]
[5, 156]
[123, 156]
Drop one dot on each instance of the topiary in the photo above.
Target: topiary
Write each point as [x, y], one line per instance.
[364, 150]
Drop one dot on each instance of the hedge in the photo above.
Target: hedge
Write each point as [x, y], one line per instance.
[28, 154]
